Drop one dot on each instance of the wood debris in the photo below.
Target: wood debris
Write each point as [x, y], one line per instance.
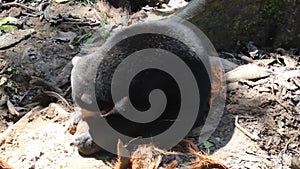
[4, 165]
[265, 97]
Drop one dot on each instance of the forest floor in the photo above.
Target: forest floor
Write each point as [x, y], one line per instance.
[260, 126]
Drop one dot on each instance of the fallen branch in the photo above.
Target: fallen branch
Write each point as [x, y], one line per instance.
[17, 4]
[251, 136]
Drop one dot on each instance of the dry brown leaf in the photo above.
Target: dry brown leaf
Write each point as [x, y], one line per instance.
[203, 161]
[11, 108]
[172, 165]
[146, 157]
[187, 144]
[123, 156]
[4, 165]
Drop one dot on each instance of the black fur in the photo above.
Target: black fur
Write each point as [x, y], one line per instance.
[101, 64]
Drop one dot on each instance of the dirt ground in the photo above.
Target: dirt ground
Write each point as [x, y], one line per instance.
[260, 127]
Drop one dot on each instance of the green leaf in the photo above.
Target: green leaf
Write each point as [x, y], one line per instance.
[90, 40]
[208, 144]
[10, 69]
[17, 72]
[8, 28]
[102, 23]
[218, 139]
[105, 34]
[86, 35]
[10, 85]
[8, 19]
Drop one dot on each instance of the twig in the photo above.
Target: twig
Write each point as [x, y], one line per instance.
[262, 156]
[275, 98]
[17, 4]
[29, 14]
[245, 58]
[289, 142]
[4, 69]
[67, 91]
[24, 95]
[81, 23]
[228, 54]
[251, 136]
[36, 81]
[59, 97]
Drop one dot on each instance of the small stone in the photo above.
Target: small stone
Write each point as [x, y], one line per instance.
[3, 99]
[15, 12]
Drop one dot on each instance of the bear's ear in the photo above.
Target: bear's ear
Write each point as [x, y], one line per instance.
[75, 60]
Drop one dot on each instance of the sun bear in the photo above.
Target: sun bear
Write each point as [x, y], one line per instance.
[92, 77]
